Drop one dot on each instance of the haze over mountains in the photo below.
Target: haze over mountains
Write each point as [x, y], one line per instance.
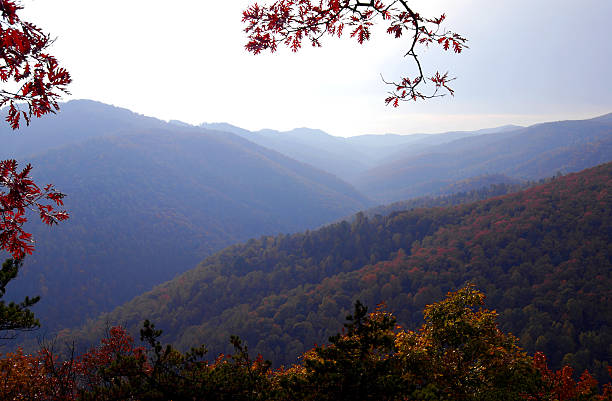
[348, 158]
[389, 168]
[528, 154]
[150, 199]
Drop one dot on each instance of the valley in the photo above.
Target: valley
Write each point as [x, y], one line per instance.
[149, 200]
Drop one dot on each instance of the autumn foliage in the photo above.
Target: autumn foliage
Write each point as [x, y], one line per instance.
[560, 385]
[290, 22]
[32, 84]
[21, 194]
[33, 79]
[458, 353]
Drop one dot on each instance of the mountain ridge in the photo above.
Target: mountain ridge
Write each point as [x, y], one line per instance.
[529, 153]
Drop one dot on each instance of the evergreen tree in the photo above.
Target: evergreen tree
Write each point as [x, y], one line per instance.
[14, 317]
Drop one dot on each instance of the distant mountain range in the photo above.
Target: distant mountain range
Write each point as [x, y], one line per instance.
[348, 158]
[390, 168]
[149, 200]
[542, 256]
[528, 153]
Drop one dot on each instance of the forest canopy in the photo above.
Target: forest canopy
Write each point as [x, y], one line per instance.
[459, 352]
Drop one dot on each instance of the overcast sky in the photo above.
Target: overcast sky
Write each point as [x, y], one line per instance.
[529, 61]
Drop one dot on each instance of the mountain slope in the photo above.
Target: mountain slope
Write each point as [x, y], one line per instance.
[77, 121]
[347, 158]
[543, 257]
[528, 154]
[317, 148]
[145, 207]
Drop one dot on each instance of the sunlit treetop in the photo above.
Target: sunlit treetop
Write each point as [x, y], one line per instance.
[289, 22]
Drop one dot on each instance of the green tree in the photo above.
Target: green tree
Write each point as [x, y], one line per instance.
[14, 317]
[356, 366]
[460, 353]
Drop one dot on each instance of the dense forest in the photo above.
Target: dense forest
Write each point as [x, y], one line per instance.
[542, 256]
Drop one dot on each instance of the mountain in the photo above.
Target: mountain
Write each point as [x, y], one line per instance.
[542, 256]
[224, 127]
[347, 158]
[315, 147]
[604, 118]
[529, 153]
[77, 121]
[426, 142]
[148, 200]
[391, 168]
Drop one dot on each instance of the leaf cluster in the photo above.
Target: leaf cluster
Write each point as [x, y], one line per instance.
[289, 22]
[19, 193]
[24, 61]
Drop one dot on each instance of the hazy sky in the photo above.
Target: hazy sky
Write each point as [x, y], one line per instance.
[529, 61]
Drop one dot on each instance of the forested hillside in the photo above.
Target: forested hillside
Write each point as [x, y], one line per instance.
[542, 256]
[465, 191]
[148, 203]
